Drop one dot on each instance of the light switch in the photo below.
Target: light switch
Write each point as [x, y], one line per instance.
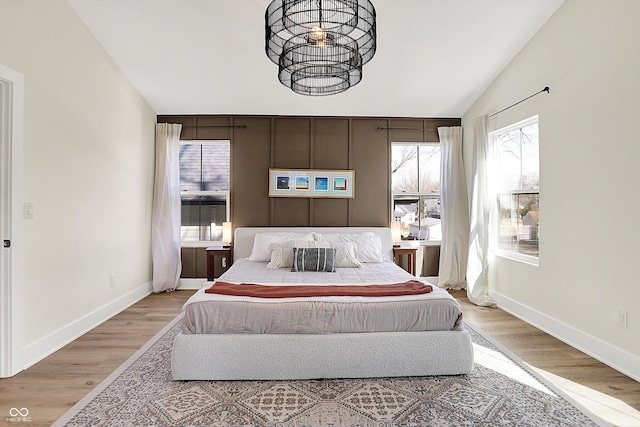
[28, 210]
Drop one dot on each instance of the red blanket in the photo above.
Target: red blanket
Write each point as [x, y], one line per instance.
[412, 287]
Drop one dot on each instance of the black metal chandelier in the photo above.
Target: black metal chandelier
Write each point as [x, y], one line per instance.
[320, 46]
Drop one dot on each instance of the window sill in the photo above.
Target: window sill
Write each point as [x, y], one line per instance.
[418, 243]
[525, 259]
[201, 244]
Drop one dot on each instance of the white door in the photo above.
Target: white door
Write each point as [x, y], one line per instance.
[11, 132]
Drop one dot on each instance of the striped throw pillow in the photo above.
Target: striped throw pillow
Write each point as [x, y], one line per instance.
[314, 259]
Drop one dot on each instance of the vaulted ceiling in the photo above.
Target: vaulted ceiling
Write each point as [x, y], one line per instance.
[434, 57]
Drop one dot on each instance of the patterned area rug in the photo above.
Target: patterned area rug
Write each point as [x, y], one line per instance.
[499, 392]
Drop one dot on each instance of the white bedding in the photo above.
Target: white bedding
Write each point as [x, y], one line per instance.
[207, 313]
[379, 273]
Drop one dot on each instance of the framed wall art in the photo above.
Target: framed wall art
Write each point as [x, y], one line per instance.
[311, 183]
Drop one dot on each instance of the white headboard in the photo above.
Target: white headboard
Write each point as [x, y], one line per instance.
[244, 236]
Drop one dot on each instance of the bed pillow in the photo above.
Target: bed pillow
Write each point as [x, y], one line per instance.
[314, 259]
[260, 250]
[345, 254]
[282, 253]
[368, 244]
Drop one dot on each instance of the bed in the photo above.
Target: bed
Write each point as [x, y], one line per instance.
[230, 337]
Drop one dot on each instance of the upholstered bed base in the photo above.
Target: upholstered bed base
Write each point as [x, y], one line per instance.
[279, 357]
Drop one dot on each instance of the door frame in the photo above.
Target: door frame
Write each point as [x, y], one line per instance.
[11, 226]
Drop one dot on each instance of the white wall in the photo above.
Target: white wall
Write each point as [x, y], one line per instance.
[88, 170]
[589, 237]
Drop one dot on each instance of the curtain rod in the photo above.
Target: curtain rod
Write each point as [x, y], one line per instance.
[383, 128]
[546, 89]
[215, 126]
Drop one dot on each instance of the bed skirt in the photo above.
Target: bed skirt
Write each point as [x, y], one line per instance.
[301, 356]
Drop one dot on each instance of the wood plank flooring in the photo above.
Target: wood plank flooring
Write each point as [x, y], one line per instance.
[51, 387]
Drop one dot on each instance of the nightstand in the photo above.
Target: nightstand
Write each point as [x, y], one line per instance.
[219, 259]
[410, 252]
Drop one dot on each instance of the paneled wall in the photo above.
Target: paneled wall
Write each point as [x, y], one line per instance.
[194, 262]
[262, 142]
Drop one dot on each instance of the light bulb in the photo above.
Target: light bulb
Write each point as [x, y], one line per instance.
[317, 33]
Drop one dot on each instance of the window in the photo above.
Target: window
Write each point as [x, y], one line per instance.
[518, 190]
[415, 184]
[204, 189]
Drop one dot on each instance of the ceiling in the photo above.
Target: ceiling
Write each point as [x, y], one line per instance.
[434, 57]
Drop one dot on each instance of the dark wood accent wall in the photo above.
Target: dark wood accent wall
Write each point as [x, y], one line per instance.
[194, 263]
[371, 159]
[262, 142]
[251, 159]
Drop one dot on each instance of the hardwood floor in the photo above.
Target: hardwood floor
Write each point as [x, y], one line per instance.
[51, 387]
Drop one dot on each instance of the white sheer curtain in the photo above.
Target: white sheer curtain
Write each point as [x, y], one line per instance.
[165, 218]
[454, 212]
[478, 264]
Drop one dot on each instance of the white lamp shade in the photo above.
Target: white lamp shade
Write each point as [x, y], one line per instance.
[227, 232]
[395, 231]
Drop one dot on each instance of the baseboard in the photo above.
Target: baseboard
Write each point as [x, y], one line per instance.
[191, 284]
[618, 359]
[33, 353]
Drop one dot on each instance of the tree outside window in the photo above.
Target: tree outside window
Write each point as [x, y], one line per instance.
[415, 184]
[518, 188]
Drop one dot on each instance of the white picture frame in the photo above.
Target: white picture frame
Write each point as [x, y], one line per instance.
[311, 183]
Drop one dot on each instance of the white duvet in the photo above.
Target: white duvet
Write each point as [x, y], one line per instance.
[379, 273]
[225, 314]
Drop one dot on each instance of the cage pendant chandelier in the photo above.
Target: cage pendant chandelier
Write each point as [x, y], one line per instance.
[320, 46]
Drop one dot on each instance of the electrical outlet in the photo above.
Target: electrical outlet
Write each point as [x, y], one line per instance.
[621, 318]
[112, 280]
[28, 210]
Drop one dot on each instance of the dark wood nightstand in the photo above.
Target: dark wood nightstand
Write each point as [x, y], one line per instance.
[219, 259]
[410, 252]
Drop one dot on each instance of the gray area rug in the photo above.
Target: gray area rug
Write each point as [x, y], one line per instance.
[499, 392]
